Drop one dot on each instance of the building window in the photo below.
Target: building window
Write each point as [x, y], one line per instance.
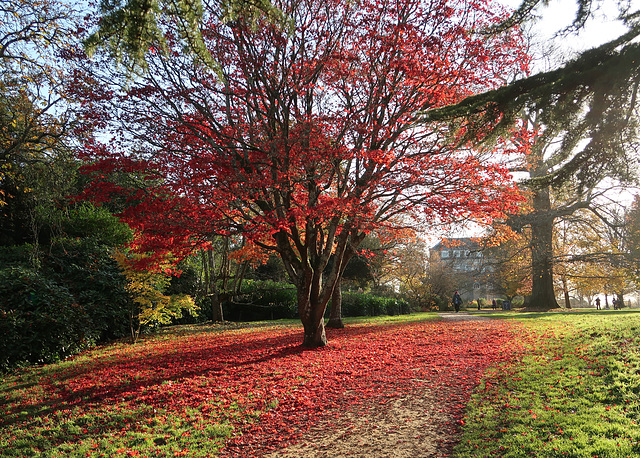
[456, 253]
[444, 254]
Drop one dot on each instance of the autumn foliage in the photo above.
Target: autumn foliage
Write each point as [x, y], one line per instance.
[305, 139]
[278, 388]
[149, 303]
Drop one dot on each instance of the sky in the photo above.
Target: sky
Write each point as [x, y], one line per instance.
[559, 14]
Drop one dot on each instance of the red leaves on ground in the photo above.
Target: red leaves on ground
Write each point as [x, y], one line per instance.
[287, 387]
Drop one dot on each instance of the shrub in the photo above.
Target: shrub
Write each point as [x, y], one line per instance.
[263, 300]
[88, 221]
[75, 298]
[40, 320]
[363, 304]
[93, 277]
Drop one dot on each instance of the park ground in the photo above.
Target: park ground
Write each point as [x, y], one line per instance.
[425, 385]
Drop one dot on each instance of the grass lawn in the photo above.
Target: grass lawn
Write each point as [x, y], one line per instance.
[576, 392]
[544, 385]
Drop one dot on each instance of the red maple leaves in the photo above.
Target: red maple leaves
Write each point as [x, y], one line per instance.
[307, 139]
[265, 374]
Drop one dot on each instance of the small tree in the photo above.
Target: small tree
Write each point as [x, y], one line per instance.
[150, 305]
[510, 263]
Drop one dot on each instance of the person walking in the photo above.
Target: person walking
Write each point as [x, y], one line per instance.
[457, 301]
[597, 303]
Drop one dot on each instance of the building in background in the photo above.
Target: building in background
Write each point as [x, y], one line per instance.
[468, 264]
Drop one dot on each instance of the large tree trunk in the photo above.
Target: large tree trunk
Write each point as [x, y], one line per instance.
[314, 334]
[542, 292]
[314, 292]
[217, 315]
[312, 304]
[311, 311]
[335, 318]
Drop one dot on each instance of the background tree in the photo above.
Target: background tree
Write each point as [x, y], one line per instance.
[411, 271]
[584, 117]
[128, 29]
[632, 239]
[38, 119]
[558, 190]
[510, 261]
[224, 267]
[582, 254]
[150, 306]
[370, 269]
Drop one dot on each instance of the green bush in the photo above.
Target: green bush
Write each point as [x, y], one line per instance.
[263, 300]
[268, 300]
[40, 320]
[88, 221]
[17, 255]
[363, 304]
[75, 298]
[95, 280]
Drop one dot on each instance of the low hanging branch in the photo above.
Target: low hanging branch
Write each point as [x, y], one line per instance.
[595, 90]
[592, 69]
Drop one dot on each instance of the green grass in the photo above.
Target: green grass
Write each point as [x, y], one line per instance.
[70, 433]
[575, 393]
[113, 431]
[31, 425]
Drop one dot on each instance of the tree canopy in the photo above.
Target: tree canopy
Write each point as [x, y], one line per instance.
[309, 140]
[34, 111]
[591, 97]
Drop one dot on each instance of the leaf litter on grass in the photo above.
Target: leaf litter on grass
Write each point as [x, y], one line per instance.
[250, 391]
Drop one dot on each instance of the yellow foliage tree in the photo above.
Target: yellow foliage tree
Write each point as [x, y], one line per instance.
[511, 260]
[150, 304]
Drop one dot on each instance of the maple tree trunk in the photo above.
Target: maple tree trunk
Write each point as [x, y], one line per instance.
[542, 291]
[311, 311]
[314, 333]
[335, 318]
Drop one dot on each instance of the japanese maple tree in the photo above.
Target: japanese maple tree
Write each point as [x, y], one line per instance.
[306, 138]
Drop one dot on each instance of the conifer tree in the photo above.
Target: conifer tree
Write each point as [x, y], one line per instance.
[584, 120]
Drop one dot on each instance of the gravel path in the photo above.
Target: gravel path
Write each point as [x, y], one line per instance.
[421, 425]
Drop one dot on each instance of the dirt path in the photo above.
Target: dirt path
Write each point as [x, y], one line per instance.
[421, 425]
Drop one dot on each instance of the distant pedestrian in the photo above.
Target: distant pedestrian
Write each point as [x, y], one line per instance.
[494, 305]
[457, 301]
[597, 303]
